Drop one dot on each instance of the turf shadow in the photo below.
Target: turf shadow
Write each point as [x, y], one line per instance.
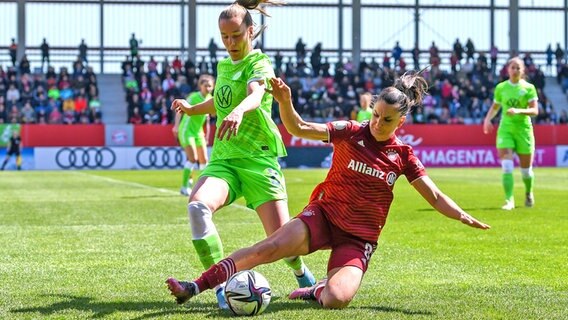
[101, 309]
[399, 310]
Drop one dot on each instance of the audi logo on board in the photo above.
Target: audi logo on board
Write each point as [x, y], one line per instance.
[85, 158]
[161, 158]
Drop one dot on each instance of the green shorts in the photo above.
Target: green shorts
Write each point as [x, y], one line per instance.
[194, 141]
[258, 180]
[521, 140]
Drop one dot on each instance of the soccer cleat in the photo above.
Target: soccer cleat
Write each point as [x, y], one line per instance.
[307, 293]
[182, 290]
[307, 279]
[509, 205]
[184, 191]
[221, 300]
[529, 200]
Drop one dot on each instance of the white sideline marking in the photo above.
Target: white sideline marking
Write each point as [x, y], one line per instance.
[143, 186]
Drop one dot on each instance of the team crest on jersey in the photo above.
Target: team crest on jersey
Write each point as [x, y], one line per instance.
[224, 96]
[339, 125]
[392, 154]
[308, 213]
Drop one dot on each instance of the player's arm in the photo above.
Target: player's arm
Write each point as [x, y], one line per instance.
[230, 124]
[491, 113]
[177, 120]
[444, 204]
[531, 110]
[205, 107]
[293, 122]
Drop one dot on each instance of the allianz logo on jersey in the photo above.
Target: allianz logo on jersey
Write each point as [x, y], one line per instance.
[363, 168]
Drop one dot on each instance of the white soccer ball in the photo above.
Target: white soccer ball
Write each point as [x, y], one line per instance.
[248, 293]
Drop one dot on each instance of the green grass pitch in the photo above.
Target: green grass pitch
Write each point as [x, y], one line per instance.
[99, 245]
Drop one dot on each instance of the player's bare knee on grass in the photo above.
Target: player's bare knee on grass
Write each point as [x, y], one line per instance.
[334, 298]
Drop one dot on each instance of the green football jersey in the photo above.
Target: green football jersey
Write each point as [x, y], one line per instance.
[258, 135]
[510, 95]
[363, 115]
[192, 126]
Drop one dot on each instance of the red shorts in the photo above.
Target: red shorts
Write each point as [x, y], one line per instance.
[346, 249]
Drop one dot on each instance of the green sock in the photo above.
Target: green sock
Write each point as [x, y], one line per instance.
[508, 183]
[529, 181]
[209, 250]
[185, 178]
[296, 264]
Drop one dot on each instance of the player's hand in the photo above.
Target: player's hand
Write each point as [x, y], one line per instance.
[472, 222]
[180, 106]
[487, 126]
[280, 90]
[512, 111]
[230, 125]
[175, 131]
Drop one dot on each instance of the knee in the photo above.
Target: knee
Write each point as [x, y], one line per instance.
[334, 297]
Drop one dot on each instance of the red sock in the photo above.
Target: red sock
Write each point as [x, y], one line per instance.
[317, 292]
[216, 274]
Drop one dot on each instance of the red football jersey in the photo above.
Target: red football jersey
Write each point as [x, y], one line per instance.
[357, 193]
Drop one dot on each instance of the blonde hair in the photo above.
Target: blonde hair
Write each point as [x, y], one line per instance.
[240, 8]
[521, 64]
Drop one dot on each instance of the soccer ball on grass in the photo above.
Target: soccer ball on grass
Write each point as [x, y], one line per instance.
[247, 293]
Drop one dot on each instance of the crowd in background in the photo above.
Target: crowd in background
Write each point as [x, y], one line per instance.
[31, 94]
[324, 91]
[321, 90]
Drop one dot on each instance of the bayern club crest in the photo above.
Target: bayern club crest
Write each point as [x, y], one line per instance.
[308, 213]
[392, 155]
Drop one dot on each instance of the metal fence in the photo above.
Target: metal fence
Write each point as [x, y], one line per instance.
[346, 28]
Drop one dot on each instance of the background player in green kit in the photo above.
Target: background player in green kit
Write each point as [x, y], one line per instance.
[244, 157]
[518, 100]
[191, 134]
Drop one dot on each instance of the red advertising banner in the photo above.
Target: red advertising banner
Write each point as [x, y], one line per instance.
[158, 135]
[61, 135]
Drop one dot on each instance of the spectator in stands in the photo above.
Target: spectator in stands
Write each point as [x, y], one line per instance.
[13, 94]
[563, 118]
[136, 117]
[83, 51]
[44, 47]
[212, 47]
[13, 49]
[152, 67]
[470, 49]
[177, 64]
[458, 49]
[518, 100]
[396, 53]
[300, 50]
[133, 42]
[559, 53]
[24, 65]
[549, 54]
[416, 57]
[151, 117]
[28, 113]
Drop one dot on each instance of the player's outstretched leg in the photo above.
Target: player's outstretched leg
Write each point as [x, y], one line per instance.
[182, 290]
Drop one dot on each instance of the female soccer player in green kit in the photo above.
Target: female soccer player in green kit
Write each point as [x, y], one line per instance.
[518, 100]
[191, 134]
[244, 157]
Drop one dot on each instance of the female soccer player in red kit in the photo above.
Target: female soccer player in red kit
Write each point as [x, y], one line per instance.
[348, 210]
